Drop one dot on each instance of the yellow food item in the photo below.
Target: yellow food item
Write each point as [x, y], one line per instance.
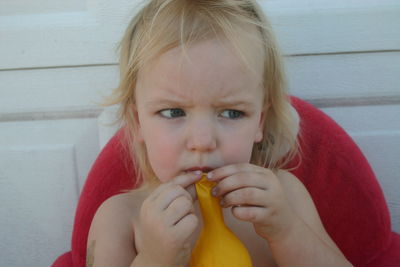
[217, 245]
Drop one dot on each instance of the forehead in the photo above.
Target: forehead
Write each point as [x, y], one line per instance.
[209, 66]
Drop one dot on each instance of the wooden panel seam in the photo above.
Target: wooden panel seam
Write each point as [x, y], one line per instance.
[80, 113]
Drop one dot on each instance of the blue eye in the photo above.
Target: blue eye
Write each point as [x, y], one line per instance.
[232, 114]
[172, 113]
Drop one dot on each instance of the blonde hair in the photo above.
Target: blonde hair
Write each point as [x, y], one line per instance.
[165, 24]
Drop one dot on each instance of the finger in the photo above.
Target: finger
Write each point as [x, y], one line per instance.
[156, 192]
[171, 192]
[179, 208]
[183, 180]
[187, 179]
[248, 196]
[228, 170]
[240, 180]
[185, 227]
[250, 214]
[191, 189]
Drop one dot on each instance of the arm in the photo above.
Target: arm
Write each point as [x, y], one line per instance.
[111, 235]
[282, 212]
[164, 221]
[111, 239]
[317, 248]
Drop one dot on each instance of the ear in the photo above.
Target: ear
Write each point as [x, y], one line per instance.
[138, 129]
[260, 130]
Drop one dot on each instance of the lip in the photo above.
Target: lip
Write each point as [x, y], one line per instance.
[204, 169]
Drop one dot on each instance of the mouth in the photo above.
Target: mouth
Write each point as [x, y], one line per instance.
[204, 169]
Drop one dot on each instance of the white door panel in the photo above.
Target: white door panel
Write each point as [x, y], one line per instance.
[354, 77]
[319, 26]
[43, 165]
[40, 199]
[57, 34]
[73, 34]
[55, 90]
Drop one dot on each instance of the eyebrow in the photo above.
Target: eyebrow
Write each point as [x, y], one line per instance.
[174, 99]
[165, 102]
[184, 103]
[233, 103]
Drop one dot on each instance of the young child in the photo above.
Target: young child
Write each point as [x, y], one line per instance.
[202, 91]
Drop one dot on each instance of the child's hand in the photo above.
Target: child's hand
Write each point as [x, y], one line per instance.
[255, 195]
[167, 220]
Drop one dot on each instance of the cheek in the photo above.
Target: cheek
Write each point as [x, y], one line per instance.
[238, 148]
[163, 154]
[241, 153]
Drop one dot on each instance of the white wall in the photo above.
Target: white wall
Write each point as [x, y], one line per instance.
[58, 60]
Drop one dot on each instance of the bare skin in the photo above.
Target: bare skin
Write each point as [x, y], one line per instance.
[90, 254]
[204, 113]
[118, 234]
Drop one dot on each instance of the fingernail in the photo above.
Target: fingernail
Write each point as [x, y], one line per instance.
[214, 191]
[209, 175]
[198, 172]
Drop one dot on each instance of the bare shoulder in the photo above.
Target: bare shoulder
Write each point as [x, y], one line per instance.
[112, 233]
[293, 187]
[298, 196]
[303, 204]
[117, 210]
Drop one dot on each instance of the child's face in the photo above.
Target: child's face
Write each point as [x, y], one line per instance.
[199, 112]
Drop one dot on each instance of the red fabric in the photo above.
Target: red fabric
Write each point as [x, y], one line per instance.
[390, 257]
[65, 260]
[343, 186]
[110, 174]
[333, 169]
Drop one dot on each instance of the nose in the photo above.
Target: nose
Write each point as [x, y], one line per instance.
[201, 136]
